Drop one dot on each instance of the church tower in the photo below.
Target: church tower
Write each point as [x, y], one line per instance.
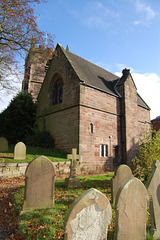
[36, 65]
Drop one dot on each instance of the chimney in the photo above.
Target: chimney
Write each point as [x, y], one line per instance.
[126, 72]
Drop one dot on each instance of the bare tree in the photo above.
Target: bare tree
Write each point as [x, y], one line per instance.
[18, 31]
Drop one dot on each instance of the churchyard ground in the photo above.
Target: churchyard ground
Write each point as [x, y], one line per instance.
[48, 223]
[33, 152]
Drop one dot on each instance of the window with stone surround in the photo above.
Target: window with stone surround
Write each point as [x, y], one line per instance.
[57, 91]
[103, 150]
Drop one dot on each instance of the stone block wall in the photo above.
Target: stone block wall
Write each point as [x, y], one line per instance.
[61, 120]
[62, 169]
[144, 123]
[12, 169]
[64, 127]
[101, 111]
[135, 119]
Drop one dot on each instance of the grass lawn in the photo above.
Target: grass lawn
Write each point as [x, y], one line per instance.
[33, 152]
[48, 223]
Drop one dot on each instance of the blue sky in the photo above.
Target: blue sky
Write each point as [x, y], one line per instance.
[113, 34]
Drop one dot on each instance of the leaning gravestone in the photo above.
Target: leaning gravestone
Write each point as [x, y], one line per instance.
[20, 151]
[153, 187]
[88, 217]
[39, 184]
[131, 211]
[122, 173]
[3, 144]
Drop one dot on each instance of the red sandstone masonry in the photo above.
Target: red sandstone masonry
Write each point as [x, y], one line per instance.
[62, 119]
[100, 109]
[133, 127]
[156, 124]
[69, 122]
[35, 69]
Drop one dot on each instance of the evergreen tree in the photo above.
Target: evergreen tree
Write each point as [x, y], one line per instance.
[19, 119]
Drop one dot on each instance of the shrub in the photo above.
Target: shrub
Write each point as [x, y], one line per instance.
[149, 150]
[40, 139]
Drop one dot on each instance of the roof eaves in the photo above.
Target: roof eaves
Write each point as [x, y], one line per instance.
[146, 106]
[70, 62]
[115, 88]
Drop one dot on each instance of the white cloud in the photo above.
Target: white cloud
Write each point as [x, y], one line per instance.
[148, 86]
[146, 12]
[97, 15]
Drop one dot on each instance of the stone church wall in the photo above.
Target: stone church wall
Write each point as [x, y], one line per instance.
[144, 123]
[61, 120]
[133, 125]
[63, 125]
[131, 118]
[89, 119]
[102, 111]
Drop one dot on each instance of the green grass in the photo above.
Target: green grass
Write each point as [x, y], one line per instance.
[33, 152]
[49, 223]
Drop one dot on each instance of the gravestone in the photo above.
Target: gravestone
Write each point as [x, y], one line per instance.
[20, 151]
[72, 181]
[131, 210]
[153, 187]
[39, 184]
[122, 173]
[88, 217]
[3, 144]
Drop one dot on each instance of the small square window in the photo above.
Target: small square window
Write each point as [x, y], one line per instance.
[103, 150]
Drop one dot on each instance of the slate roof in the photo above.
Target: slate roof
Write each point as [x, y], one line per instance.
[94, 76]
[156, 119]
[91, 74]
[141, 102]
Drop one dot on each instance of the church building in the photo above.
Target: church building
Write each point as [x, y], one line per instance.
[84, 106]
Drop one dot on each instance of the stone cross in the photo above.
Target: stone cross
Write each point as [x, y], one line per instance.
[72, 181]
[73, 157]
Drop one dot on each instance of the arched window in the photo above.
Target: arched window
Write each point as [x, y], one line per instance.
[57, 91]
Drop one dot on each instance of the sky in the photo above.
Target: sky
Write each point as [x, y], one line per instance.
[113, 34]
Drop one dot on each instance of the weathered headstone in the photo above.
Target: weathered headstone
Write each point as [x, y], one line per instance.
[131, 211]
[39, 184]
[72, 181]
[122, 173]
[88, 217]
[153, 187]
[3, 144]
[20, 151]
